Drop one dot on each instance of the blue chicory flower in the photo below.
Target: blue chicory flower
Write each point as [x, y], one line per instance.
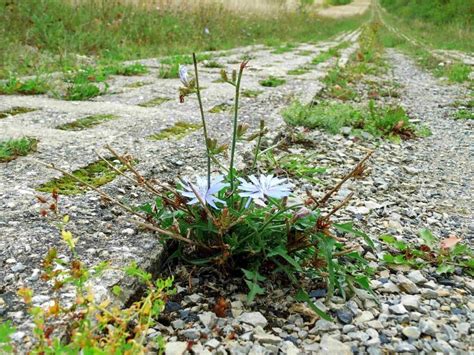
[258, 190]
[205, 194]
[183, 75]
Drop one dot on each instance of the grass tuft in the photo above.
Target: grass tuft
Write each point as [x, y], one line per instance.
[15, 111]
[272, 81]
[14, 148]
[177, 131]
[86, 122]
[16, 86]
[157, 101]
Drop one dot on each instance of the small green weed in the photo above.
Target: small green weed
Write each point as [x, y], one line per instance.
[16, 86]
[298, 71]
[457, 72]
[221, 108]
[157, 101]
[15, 111]
[213, 64]
[251, 93]
[96, 174]
[86, 122]
[338, 86]
[80, 92]
[169, 71]
[272, 81]
[464, 114]
[304, 53]
[177, 131]
[288, 47]
[138, 84]
[128, 70]
[14, 148]
[446, 254]
[324, 56]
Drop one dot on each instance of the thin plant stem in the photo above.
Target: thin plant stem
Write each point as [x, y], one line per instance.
[234, 133]
[203, 119]
[259, 141]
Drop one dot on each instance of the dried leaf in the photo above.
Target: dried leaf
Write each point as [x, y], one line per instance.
[450, 242]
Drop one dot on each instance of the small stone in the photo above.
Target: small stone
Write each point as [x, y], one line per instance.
[463, 328]
[410, 302]
[194, 298]
[389, 287]
[404, 347]
[417, 277]
[442, 346]
[375, 324]
[178, 324]
[442, 292]
[19, 267]
[18, 336]
[176, 347]
[289, 348]
[348, 328]
[429, 294]
[208, 319]
[128, 231]
[329, 345]
[213, 343]
[266, 338]
[364, 317]
[407, 285]
[192, 334]
[323, 325]
[253, 318]
[428, 327]
[398, 309]
[411, 332]
[345, 316]
[172, 307]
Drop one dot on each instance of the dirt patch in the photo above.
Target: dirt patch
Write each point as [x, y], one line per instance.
[357, 7]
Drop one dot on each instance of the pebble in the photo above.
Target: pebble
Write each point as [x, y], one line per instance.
[19, 267]
[398, 309]
[407, 285]
[364, 317]
[427, 326]
[176, 347]
[411, 332]
[253, 318]
[410, 302]
[416, 277]
[403, 347]
[329, 345]
[208, 319]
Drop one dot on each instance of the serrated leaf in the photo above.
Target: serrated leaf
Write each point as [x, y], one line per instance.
[302, 296]
[6, 329]
[428, 237]
[254, 290]
[445, 269]
[349, 228]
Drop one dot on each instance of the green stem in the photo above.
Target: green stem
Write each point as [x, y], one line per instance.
[234, 134]
[257, 148]
[201, 109]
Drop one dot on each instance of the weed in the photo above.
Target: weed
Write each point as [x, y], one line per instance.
[464, 114]
[177, 131]
[446, 254]
[157, 101]
[86, 122]
[15, 86]
[272, 81]
[390, 122]
[298, 71]
[304, 53]
[251, 93]
[95, 174]
[138, 84]
[128, 70]
[288, 47]
[337, 82]
[79, 92]
[213, 64]
[15, 111]
[14, 148]
[169, 71]
[457, 72]
[221, 108]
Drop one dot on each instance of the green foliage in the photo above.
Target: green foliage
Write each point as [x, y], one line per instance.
[338, 2]
[287, 47]
[464, 114]
[457, 72]
[6, 329]
[95, 174]
[15, 111]
[251, 93]
[14, 148]
[272, 81]
[179, 130]
[445, 254]
[93, 326]
[39, 36]
[298, 71]
[16, 86]
[157, 101]
[87, 122]
[378, 121]
[221, 108]
[338, 85]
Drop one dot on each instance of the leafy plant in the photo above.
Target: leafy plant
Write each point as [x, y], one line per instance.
[94, 326]
[464, 114]
[445, 255]
[86, 122]
[16, 86]
[14, 148]
[272, 81]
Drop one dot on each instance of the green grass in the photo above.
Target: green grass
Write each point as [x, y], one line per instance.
[439, 23]
[456, 72]
[157, 101]
[272, 81]
[390, 122]
[16, 86]
[298, 71]
[46, 36]
[338, 85]
[15, 111]
[464, 114]
[179, 130]
[251, 93]
[14, 148]
[95, 174]
[338, 2]
[86, 122]
[213, 64]
[80, 92]
[221, 108]
[287, 47]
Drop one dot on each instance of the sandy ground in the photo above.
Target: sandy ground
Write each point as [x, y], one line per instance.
[357, 7]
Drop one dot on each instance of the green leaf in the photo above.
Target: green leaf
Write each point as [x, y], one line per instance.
[253, 275]
[281, 251]
[6, 329]
[445, 269]
[363, 281]
[254, 290]
[348, 228]
[302, 296]
[389, 239]
[388, 258]
[116, 290]
[428, 238]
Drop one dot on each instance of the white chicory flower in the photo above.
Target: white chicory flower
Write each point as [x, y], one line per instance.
[206, 195]
[183, 75]
[258, 190]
